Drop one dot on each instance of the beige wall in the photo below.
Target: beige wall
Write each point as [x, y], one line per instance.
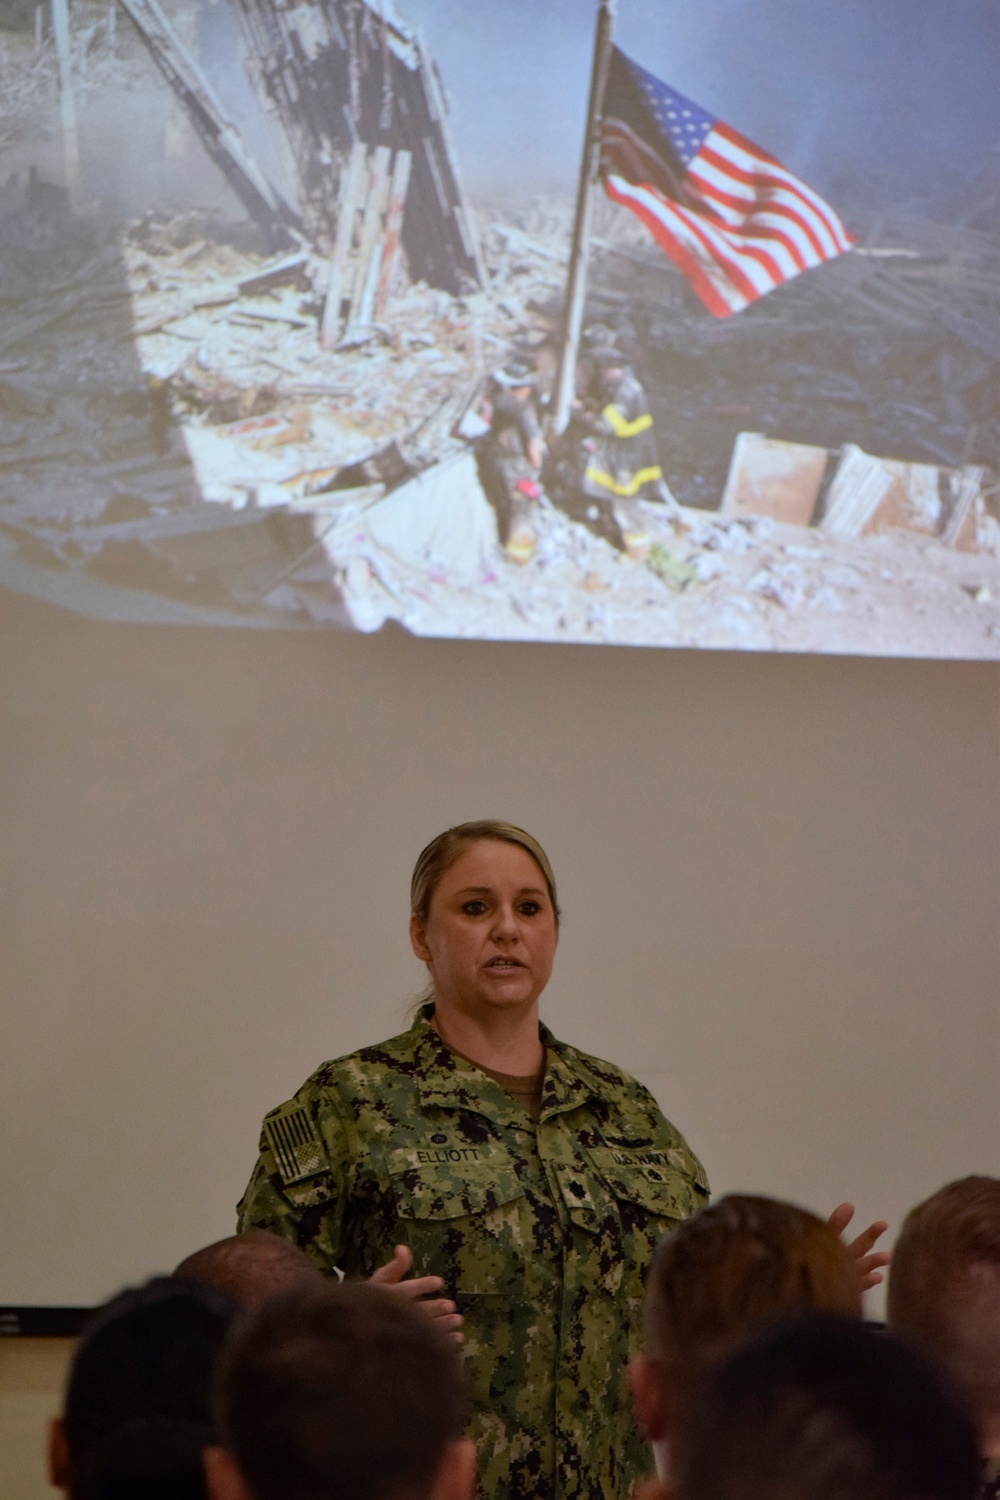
[32, 1374]
[780, 879]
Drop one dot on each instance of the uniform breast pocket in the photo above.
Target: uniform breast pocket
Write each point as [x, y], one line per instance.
[653, 1195]
[465, 1222]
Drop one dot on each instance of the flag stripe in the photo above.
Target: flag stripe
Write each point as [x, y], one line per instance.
[735, 194]
[742, 152]
[721, 283]
[765, 190]
[750, 279]
[786, 237]
[719, 297]
[776, 172]
[753, 266]
[734, 220]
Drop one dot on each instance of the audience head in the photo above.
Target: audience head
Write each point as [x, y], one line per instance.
[137, 1413]
[944, 1292]
[340, 1393]
[720, 1277]
[829, 1408]
[251, 1267]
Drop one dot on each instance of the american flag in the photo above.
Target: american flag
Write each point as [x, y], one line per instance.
[733, 219]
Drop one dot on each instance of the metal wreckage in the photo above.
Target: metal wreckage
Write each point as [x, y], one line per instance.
[285, 427]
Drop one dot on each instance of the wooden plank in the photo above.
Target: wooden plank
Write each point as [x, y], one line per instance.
[768, 477]
[371, 231]
[859, 486]
[393, 229]
[351, 191]
[67, 98]
[961, 530]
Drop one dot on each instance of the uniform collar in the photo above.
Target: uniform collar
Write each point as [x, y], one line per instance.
[450, 1082]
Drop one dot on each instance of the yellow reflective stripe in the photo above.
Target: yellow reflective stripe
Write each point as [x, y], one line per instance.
[643, 476]
[620, 424]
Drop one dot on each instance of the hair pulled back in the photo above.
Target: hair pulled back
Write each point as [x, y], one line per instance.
[442, 852]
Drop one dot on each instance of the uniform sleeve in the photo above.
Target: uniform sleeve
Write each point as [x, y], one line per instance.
[679, 1152]
[300, 1187]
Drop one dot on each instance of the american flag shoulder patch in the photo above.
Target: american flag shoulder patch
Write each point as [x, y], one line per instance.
[295, 1144]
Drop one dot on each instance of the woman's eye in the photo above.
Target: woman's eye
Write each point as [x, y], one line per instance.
[530, 908]
[473, 908]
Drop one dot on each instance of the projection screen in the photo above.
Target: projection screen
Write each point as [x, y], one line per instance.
[284, 311]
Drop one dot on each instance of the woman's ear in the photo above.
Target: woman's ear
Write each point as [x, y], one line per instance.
[418, 939]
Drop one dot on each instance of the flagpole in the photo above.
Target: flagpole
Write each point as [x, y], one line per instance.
[576, 286]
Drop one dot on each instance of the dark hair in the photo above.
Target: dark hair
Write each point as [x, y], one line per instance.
[250, 1267]
[827, 1408]
[137, 1412]
[944, 1286]
[342, 1392]
[442, 852]
[739, 1264]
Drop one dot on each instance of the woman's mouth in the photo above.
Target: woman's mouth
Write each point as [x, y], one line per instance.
[505, 963]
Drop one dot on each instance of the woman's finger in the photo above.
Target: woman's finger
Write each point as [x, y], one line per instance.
[869, 1269]
[394, 1270]
[417, 1287]
[841, 1217]
[866, 1239]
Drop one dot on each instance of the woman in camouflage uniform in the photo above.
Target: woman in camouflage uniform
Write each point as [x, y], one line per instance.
[534, 1179]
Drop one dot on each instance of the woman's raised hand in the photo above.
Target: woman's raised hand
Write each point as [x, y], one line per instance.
[869, 1264]
[421, 1290]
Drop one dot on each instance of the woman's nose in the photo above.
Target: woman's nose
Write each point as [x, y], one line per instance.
[504, 923]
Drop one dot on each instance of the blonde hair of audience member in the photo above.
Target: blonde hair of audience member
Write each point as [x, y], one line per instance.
[717, 1279]
[944, 1292]
[340, 1393]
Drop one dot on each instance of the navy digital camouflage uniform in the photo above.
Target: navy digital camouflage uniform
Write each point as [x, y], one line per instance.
[542, 1233]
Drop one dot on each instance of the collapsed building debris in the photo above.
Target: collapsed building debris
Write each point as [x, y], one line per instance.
[216, 132]
[853, 493]
[338, 73]
[363, 112]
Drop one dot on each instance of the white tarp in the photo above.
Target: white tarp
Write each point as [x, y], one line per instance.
[440, 523]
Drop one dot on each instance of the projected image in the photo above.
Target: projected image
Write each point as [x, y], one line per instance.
[636, 324]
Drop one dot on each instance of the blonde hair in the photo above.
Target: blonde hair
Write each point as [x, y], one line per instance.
[442, 852]
[724, 1274]
[944, 1286]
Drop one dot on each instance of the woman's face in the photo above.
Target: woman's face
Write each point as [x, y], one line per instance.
[490, 935]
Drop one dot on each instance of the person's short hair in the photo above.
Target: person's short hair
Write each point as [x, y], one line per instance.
[339, 1392]
[738, 1264]
[440, 854]
[944, 1286]
[250, 1267]
[828, 1408]
[137, 1411]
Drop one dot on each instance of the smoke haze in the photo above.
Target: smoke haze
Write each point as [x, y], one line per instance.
[901, 95]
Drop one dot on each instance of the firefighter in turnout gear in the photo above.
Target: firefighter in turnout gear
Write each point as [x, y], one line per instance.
[510, 457]
[621, 465]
